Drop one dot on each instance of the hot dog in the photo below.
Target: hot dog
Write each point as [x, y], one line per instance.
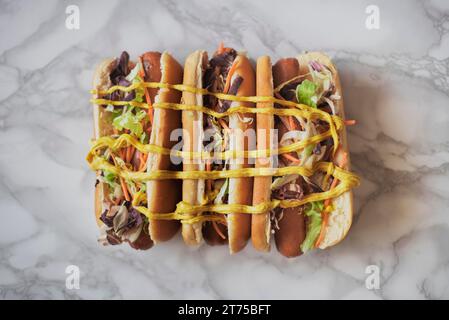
[118, 219]
[309, 79]
[227, 72]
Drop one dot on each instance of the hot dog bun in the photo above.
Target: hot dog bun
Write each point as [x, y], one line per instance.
[261, 223]
[163, 195]
[192, 123]
[241, 189]
[292, 226]
[103, 127]
[340, 219]
[102, 124]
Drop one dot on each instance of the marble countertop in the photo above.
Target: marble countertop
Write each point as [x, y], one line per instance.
[395, 81]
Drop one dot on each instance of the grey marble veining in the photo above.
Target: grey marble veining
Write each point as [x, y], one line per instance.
[395, 82]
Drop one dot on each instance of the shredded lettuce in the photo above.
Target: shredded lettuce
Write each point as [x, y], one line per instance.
[129, 120]
[245, 119]
[306, 93]
[117, 191]
[295, 135]
[144, 138]
[216, 133]
[134, 77]
[322, 77]
[134, 72]
[135, 187]
[109, 178]
[115, 111]
[313, 211]
[132, 187]
[223, 191]
[308, 150]
[280, 181]
[140, 92]
[120, 162]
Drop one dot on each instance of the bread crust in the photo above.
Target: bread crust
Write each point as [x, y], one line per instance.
[261, 223]
[241, 189]
[163, 195]
[192, 124]
[101, 81]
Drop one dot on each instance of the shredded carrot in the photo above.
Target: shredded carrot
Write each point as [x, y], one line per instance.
[325, 215]
[143, 161]
[208, 163]
[286, 121]
[350, 122]
[129, 154]
[140, 161]
[223, 124]
[327, 202]
[333, 185]
[121, 153]
[228, 78]
[225, 143]
[344, 160]
[133, 150]
[217, 229]
[123, 185]
[292, 123]
[221, 48]
[147, 94]
[290, 157]
[125, 189]
[323, 227]
[126, 159]
[141, 71]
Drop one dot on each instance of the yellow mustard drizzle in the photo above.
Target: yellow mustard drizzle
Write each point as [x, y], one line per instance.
[102, 164]
[125, 140]
[181, 87]
[188, 213]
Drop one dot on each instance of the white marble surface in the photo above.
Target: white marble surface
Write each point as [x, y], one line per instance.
[395, 82]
